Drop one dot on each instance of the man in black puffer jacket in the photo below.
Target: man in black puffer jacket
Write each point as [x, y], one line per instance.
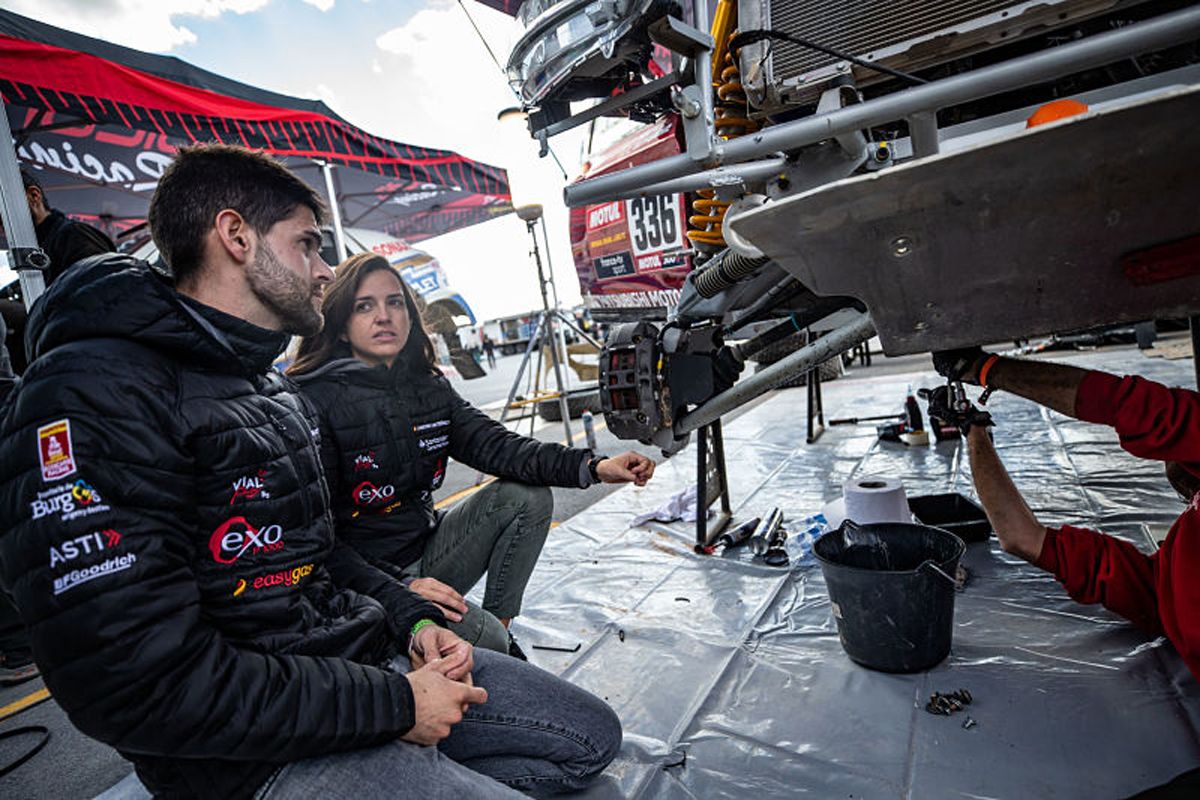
[167, 537]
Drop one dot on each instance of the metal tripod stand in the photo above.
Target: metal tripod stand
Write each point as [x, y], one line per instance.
[547, 335]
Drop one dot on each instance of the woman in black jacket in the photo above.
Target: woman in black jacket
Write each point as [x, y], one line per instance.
[389, 423]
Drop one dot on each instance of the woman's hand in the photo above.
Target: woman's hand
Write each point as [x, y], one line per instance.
[629, 467]
[444, 597]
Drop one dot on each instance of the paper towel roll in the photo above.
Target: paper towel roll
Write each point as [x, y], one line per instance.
[874, 498]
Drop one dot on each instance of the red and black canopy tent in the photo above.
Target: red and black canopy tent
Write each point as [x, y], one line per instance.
[100, 122]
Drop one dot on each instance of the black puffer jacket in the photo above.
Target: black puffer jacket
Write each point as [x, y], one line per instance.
[166, 535]
[387, 434]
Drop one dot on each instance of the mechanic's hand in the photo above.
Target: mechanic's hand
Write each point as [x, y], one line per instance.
[959, 365]
[435, 643]
[629, 467]
[443, 596]
[964, 418]
[438, 702]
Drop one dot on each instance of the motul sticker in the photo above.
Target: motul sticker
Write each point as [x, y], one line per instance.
[54, 450]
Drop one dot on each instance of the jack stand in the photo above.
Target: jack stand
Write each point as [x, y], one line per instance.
[816, 406]
[712, 484]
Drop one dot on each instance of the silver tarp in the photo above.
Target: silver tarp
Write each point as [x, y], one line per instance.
[728, 674]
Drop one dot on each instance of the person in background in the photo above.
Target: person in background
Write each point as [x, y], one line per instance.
[1159, 593]
[390, 422]
[63, 239]
[489, 348]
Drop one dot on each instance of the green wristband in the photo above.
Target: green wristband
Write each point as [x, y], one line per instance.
[420, 624]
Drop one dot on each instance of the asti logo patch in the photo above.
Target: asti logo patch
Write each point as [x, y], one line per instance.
[365, 461]
[236, 536]
[55, 452]
[68, 500]
[285, 577]
[95, 542]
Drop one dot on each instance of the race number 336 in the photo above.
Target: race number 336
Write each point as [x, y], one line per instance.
[654, 223]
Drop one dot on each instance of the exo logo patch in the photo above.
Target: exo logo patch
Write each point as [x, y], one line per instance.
[236, 535]
[55, 451]
[367, 493]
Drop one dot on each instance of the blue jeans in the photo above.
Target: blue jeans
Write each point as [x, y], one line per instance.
[536, 733]
[499, 530]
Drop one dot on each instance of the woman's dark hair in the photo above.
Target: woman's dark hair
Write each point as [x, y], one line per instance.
[338, 305]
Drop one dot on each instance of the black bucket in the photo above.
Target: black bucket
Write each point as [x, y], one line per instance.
[892, 588]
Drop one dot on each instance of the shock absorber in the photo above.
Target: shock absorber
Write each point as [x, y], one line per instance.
[732, 119]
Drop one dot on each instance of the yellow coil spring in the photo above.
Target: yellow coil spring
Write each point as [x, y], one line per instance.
[732, 120]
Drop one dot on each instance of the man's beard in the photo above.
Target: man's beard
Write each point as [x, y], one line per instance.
[284, 292]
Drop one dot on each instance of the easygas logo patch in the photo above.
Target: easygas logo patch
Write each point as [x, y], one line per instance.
[236, 536]
[285, 577]
[68, 500]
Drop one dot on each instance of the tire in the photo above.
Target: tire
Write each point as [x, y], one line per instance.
[577, 403]
[830, 369]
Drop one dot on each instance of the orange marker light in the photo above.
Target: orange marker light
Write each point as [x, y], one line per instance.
[1056, 110]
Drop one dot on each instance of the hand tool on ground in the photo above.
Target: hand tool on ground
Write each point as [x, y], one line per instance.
[738, 536]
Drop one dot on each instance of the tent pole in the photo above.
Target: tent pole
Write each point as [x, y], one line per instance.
[339, 236]
[24, 255]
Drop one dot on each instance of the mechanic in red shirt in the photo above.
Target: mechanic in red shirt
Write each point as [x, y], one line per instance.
[1159, 593]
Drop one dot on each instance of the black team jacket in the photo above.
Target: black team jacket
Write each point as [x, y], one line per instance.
[165, 532]
[66, 241]
[387, 435]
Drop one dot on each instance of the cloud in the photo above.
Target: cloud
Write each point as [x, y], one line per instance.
[321, 5]
[142, 24]
[444, 90]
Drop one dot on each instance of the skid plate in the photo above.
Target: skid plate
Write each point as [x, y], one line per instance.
[1009, 239]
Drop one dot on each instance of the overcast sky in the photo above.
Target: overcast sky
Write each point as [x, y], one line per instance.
[410, 70]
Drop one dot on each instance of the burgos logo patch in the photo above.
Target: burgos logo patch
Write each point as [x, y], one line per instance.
[54, 450]
[286, 577]
[235, 536]
[69, 501]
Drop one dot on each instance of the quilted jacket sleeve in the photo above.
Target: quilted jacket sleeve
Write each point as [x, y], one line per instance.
[480, 442]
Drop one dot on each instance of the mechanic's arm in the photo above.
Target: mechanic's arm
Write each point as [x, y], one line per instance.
[1152, 420]
[1016, 527]
[1092, 567]
[1047, 384]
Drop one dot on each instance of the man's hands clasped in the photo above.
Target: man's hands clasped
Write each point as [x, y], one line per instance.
[441, 684]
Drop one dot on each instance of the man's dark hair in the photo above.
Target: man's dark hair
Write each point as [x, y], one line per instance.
[205, 179]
